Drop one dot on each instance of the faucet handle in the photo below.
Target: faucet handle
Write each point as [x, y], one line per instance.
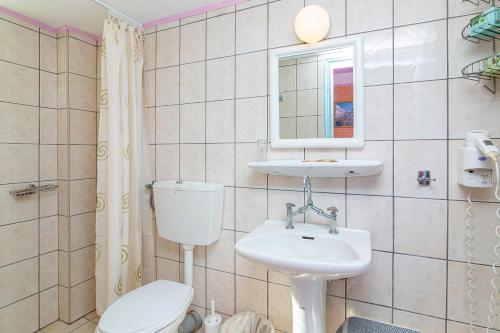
[289, 206]
[333, 210]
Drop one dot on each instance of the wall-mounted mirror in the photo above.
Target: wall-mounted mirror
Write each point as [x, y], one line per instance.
[317, 95]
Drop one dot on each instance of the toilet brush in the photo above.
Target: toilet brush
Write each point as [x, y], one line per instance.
[212, 321]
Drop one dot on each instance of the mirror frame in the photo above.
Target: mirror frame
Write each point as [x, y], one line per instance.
[274, 56]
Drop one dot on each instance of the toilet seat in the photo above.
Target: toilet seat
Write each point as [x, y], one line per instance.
[149, 308]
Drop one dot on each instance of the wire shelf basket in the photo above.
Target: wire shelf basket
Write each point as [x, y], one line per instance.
[486, 70]
[483, 27]
[33, 189]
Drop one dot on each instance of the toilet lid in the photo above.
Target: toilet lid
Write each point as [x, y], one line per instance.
[149, 308]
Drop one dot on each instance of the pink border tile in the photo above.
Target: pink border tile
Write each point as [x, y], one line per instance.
[163, 20]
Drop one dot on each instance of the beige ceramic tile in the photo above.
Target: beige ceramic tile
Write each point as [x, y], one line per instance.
[192, 82]
[21, 316]
[83, 161]
[168, 269]
[48, 89]
[82, 58]
[19, 281]
[220, 163]
[251, 295]
[82, 196]
[380, 16]
[245, 176]
[48, 234]
[48, 162]
[167, 162]
[193, 42]
[16, 210]
[421, 323]
[251, 119]
[220, 288]
[280, 307]
[82, 92]
[251, 29]
[82, 299]
[368, 311]
[221, 36]
[251, 74]
[19, 123]
[18, 163]
[49, 270]
[48, 126]
[19, 241]
[82, 265]
[281, 22]
[167, 124]
[220, 121]
[220, 254]
[192, 123]
[220, 79]
[19, 84]
[19, 44]
[49, 306]
[251, 205]
[167, 49]
[192, 162]
[82, 230]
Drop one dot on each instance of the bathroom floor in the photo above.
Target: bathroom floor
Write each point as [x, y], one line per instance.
[86, 324]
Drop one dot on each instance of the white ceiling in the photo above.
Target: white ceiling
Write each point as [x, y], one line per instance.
[89, 16]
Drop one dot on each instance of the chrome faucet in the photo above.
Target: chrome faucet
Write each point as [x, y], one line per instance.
[310, 206]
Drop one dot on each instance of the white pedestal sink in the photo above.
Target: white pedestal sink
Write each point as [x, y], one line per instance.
[310, 256]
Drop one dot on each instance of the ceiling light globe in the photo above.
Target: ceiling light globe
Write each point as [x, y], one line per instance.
[312, 24]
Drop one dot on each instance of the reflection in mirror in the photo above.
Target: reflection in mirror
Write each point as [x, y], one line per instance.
[316, 97]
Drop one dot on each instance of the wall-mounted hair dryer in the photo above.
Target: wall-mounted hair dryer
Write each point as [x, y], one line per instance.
[476, 159]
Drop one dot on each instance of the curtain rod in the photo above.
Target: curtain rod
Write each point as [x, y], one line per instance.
[116, 12]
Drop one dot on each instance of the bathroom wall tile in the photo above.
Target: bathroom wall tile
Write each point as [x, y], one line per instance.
[63, 305]
[19, 123]
[220, 163]
[82, 265]
[167, 86]
[420, 285]
[251, 295]
[307, 127]
[199, 256]
[307, 76]
[368, 311]
[420, 52]
[82, 299]
[220, 79]
[48, 89]
[380, 184]
[336, 288]
[245, 267]
[408, 12]
[192, 123]
[281, 17]
[193, 42]
[167, 124]
[167, 48]
[220, 121]
[82, 230]
[424, 324]
[62, 90]
[455, 327]
[82, 58]
[221, 11]
[21, 316]
[19, 85]
[245, 176]
[326, 200]
[49, 272]
[221, 36]
[228, 214]
[307, 102]
[48, 53]
[251, 205]
[82, 92]
[23, 49]
[288, 75]
[192, 162]
[457, 297]
[167, 249]
[375, 285]
[82, 196]
[199, 285]
[149, 80]
[380, 15]
[483, 239]
[48, 126]
[167, 25]
[149, 51]
[378, 57]
[48, 202]
[462, 52]
[49, 306]
[251, 29]
[48, 234]
[220, 254]
[220, 287]
[251, 119]
[458, 8]
[333, 185]
[407, 162]
[18, 281]
[420, 110]
[278, 278]
[379, 112]
[280, 307]
[250, 3]
[420, 231]
[194, 18]
[63, 197]
[15, 210]
[284, 182]
[277, 201]
[48, 162]
[335, 313]
[19, 241]
[167, 162]
[192, 82]
[466, 95]
[18, 163]
[251, 74]
[372, 213]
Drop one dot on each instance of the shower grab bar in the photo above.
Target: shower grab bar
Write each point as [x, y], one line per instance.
[33, 189]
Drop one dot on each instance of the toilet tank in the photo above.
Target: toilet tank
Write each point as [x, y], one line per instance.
[189, 212]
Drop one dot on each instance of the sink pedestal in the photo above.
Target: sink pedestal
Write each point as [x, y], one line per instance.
[309, 305]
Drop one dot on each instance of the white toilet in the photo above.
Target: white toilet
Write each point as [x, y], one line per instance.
[186, 212]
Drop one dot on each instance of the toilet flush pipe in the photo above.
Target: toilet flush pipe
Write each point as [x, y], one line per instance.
[191, 322]
[188, 264]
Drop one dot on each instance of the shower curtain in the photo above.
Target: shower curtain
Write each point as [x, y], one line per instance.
[122, 165]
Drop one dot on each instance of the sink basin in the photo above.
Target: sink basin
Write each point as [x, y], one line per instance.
[310, 256]
[308, 251]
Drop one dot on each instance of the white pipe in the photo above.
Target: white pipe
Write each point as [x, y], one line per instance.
[119, 14]
[188, 264]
